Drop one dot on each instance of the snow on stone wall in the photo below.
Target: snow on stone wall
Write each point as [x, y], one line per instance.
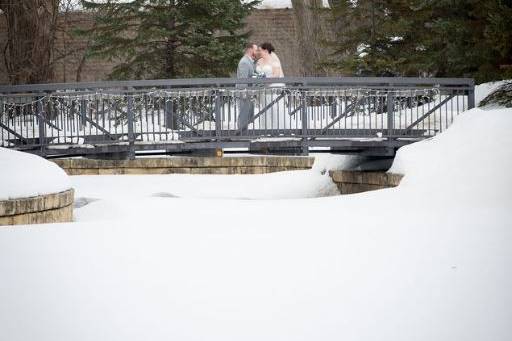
[26, 175]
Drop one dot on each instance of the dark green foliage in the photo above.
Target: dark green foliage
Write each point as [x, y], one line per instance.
[443, 38]
[169, 38]
[364, 37]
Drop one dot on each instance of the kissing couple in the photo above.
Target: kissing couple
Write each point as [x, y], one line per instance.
[261, 62]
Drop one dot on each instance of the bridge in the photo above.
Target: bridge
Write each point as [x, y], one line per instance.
[367, 116]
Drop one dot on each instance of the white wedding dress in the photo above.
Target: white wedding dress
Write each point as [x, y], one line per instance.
[276, 116]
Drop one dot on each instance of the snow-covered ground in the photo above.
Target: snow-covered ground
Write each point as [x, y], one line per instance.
[180, 257]
[296, 184]
[26, 175]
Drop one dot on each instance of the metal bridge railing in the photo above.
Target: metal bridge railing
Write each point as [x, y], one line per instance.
[53, 117]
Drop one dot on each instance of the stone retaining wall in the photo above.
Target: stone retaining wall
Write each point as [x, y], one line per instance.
[350, 182]
[50, 208]
[186, 165]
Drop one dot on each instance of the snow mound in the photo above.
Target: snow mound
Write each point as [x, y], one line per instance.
[501, 97]
[25, 175]
[471, 159]
[485, 89]
[327, 162]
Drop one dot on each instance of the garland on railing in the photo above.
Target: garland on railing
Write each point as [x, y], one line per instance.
[212, 93]
[201, 103]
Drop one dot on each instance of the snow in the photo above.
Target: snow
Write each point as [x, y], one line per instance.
[287, 185]
[483, 90]
[181, 257]
[25, 175]
[464, 159]
[326, 162]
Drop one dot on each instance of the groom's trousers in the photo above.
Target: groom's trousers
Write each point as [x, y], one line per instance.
[246, 111]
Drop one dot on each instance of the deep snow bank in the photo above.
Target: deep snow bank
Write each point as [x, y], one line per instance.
[26, 175]
[470, 160]
[473, 157]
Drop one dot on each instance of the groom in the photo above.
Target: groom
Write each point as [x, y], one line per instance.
[246, 69]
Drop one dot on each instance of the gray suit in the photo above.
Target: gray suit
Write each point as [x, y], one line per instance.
[246, 106]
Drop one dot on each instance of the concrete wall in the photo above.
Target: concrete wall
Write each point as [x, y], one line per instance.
[273, 25]
[186, 165]
[50, 208]
[350, 182]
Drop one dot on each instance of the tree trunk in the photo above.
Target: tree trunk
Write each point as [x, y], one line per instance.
[169, 58]
[170, 46]
[310, 35]
[30, 39]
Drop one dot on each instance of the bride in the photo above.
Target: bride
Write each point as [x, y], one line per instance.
[269, 65]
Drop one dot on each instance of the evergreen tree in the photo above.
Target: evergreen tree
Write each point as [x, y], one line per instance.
[169, 38]
[451, 34]
[443, 38]
[366, 38]
[464, 38]
[498, 36]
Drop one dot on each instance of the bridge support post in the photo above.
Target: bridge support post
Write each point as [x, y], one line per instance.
[131, 135]
[171, 121]
[333, 107]
[41, 126]
[391, 118]
[218, 114]
[304, 118]
[471, 98]
[83, 112]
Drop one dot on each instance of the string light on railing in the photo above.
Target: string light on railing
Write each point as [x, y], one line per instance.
[256, 95]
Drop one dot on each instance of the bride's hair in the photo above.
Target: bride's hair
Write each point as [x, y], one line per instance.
[268, 46]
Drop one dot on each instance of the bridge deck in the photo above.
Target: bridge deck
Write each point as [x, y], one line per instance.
[284, 146]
